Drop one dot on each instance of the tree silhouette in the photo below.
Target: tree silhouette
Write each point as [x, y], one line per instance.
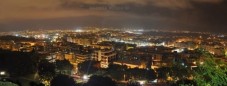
[88, 67]
[7, 84]
[35, 84]
[64, 67]
[150, 75]
[163, 72]
[18, 63]
[142, 74]
[117, 72]
[133, 83]
[46, 70]
[62, 80]
[100, 81]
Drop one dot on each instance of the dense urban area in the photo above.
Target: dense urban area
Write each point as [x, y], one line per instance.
[91, 56]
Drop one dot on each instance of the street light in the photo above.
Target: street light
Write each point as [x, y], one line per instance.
[2, 73]
[142, 82]
[85, 77]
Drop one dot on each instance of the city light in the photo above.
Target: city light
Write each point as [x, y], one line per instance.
[113, 42]
[178, 50]
[142, 82]
[2, 73]
[155, 81]
[201, 63]
[16, 35]
[85, 77]
[103, 47]
[78, 30]
[194, 62]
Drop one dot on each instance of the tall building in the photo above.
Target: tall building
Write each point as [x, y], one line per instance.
[156, 61]
[104, 56]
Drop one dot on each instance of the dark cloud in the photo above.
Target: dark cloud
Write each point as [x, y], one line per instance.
[213, 14]
[209, 15]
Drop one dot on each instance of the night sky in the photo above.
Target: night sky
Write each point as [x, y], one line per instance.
[194, 15]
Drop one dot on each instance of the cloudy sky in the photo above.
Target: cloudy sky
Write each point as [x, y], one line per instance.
[195, 15]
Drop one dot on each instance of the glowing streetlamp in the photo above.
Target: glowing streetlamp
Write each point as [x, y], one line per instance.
[142, 82]
[2, 73]
[85, 77]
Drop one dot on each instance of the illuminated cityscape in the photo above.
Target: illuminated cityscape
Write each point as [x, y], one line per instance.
[113, 43]
[102, 51]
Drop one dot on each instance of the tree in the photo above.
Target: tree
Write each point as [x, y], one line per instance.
[18, 63]
[117, 72]
[163, 72]
[136, 73]
[142, 74]
[150, 75]
[100, 81]
[64, 67]
[62, 80]
[7, 84]
[35, 84]
[88, 67]
[185, 82]
[179, 71]
[133, 84]
[46, 70]
[212, 72]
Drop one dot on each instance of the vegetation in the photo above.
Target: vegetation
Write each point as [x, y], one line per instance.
[100, 81]
[18, 63]
[117, 72]
[46, 70]
[7, 84]
[88, 67]
[64, 67]
[212, 72]
[62, 80]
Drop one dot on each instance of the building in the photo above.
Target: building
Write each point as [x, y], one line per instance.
[82, 41]
[156, 61]
[79, 58]
[131, 64]
[69, 56]
[104, 56]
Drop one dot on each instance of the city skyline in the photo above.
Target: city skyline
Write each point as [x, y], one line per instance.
[113, 43]
[194, 15]
[124, 57]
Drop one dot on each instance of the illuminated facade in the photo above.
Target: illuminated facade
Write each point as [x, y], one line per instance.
[104, 56]
[82, 41]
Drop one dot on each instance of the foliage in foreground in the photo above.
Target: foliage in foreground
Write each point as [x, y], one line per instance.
[212, 72]
[7, 84]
